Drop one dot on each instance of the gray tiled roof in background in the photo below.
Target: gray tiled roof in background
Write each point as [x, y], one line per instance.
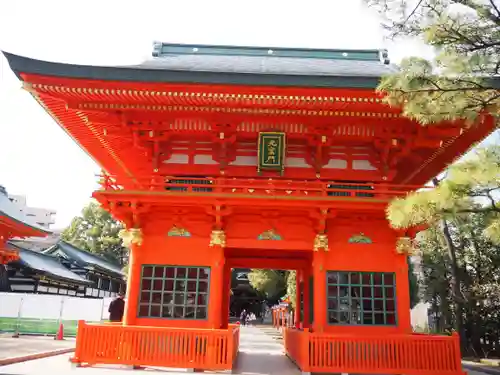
[84, 258]
[46, 264]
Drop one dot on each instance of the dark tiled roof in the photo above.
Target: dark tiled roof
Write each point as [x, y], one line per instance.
[84, 258]
[47, 265]
[270, 65]
[178, 63]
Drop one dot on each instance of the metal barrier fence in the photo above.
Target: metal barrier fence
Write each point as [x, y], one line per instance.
[27, 326]
[31, 314]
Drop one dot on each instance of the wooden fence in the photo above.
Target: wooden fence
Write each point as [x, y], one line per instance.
[206, 349]
[411, 354]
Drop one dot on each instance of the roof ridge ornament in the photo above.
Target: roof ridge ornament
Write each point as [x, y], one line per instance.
[157, 48]
[161, 49]
[384, 57]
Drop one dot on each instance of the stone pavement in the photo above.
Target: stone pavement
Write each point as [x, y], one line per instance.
[260, 354]
[27, 345]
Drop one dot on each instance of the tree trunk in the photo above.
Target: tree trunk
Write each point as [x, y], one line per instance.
[455, 285]
[455, 281]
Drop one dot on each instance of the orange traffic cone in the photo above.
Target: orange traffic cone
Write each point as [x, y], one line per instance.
[60, 333]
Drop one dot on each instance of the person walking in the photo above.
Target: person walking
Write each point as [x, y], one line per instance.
[243, 317]
[117, 308]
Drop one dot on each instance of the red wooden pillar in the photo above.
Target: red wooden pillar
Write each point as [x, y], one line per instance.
[226, 294]
[319, 294]
[133, 286]
[296, 313]
[307, 298]
[216, 287]
[403, 296]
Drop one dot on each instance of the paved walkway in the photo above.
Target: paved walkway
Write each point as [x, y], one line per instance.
[26, 345]
[260, 354]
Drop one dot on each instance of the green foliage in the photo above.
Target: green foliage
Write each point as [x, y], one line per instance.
[460, 82]
[96, 231]
[470, 186]
[291, 287]
[270, 282]
[478, 261]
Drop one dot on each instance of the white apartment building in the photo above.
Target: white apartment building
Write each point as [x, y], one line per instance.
[42, 216]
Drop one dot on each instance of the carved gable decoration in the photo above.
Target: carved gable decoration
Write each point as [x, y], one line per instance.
[360, 238]
[271, 152]
[269, 235]
[176, 231]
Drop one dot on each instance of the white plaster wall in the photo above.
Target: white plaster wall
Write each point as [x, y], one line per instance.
[419, 317]
[39, 306]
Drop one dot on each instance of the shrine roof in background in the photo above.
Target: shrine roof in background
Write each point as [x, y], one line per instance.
[84, 258]
[46, 265]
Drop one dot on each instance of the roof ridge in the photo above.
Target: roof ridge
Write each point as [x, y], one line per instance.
[88, 253]
[161, 49]
[42, 253]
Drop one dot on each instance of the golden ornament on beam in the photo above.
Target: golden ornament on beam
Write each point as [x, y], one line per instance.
[218, 238]
[131, 236]
[269, 234]
[321, 242]
[405, 245]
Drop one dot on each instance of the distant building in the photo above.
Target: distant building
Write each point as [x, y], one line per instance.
[64, 270]
[43, 217]
[107, 278]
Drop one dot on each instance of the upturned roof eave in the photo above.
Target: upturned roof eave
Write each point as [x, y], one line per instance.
[20, 65]
[40, 231]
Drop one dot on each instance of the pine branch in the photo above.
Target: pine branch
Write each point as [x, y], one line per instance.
[481, 10]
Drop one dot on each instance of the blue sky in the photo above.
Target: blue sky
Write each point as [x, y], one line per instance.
[39, 160]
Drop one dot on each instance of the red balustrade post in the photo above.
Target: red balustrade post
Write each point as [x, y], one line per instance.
[458, 352]
[305, 365]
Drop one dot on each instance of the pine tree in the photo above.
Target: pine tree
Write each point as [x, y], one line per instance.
[471, 186]
[462, 82]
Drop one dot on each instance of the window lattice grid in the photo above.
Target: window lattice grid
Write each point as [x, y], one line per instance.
[173, 292]
[362, 298]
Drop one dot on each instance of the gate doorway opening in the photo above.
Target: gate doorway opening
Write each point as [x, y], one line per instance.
[242, 296]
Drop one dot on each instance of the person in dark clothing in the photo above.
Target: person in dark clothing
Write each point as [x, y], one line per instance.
[243, 317]
[116, 309]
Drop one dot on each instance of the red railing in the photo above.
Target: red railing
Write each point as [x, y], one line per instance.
[297, 347]
[388, 354]
[156, 346]
[260, 187]
[281, 318]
